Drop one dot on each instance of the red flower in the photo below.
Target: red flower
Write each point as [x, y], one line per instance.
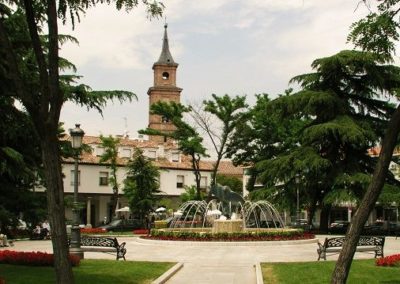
[93, 231]
[32, 258]
[391, 260]
[141, 232]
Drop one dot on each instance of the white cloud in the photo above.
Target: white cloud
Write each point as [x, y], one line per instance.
[224, 46]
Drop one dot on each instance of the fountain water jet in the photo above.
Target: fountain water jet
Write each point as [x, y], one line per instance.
[246, 217]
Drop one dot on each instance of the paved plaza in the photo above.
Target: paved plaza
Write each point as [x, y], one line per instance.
[213, 263]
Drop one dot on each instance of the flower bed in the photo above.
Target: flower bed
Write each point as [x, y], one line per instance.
[93, 231]
[32, 258]
[141, 232]
[391, 260]
[272, 235]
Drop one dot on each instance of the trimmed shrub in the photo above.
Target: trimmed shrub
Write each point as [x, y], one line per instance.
[273, 235]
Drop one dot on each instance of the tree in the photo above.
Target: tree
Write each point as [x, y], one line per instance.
[378, 33]
[110, 156]
[189, 140]
[345, 116]
[141, 185]
[30, 66]
[19, 168]
[233, 183]
[223, 110]
[189, 194]
[261, 135]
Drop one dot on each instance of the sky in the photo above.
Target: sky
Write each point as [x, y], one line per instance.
[222, 46]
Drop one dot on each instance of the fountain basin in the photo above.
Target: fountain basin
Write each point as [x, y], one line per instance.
[227, 226]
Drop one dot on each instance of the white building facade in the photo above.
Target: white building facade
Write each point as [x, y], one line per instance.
[95, 192]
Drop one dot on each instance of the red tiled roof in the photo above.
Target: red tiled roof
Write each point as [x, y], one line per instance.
[185, 164]
[226, 167]
[375, 151]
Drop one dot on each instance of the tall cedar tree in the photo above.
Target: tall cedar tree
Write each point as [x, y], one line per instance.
[19, 168]
[377, 33]
[189, 140]
[110, 156]
[141, 185]
[30, 66]
[218, 119]
[346, 116]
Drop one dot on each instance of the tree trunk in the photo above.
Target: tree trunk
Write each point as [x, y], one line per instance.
[343, 264]
[323, 220]
[55, 206]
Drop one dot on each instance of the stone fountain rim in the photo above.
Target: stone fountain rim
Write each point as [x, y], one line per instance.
[222, 243]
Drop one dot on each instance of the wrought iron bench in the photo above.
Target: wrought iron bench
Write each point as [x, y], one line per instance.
[365, 244]
[102, 244]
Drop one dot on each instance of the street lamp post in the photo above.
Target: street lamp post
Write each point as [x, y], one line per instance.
[297, 180]
[76, 141]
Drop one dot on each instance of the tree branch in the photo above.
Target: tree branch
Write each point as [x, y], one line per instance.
[54, 85]
[40, 58]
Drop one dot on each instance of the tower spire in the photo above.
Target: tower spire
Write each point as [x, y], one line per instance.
[165, 56]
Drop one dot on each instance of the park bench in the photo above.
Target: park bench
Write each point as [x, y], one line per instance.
[365, 244]
[102, 244]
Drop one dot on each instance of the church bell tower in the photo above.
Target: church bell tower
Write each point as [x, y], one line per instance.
[164, 89]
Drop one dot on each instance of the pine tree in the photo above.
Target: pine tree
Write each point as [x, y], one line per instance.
[141, 185]
[345, 115]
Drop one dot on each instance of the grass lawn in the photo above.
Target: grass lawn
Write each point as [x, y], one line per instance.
[89, 271]
[362, 271]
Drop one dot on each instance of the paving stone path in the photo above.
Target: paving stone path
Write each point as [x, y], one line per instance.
[210, 264]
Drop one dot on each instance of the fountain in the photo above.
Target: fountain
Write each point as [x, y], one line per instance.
[227, 213]
[227, 217]
[249, 216]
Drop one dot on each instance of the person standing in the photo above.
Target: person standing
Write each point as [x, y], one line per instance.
[3, 240]
[46, 228]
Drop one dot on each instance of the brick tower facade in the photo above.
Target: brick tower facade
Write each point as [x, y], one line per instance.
[164, 89]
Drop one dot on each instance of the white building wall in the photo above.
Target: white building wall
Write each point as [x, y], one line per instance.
[90, 174]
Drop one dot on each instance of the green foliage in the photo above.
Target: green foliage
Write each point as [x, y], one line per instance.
[74, 9]
[233, 183]
[189, 140]
[141, 185]
[378, 32]
[342, 115]
[20, 165]
[261, 135]
[270, 235]
[222, 110]
[110, 156]
[190, 194]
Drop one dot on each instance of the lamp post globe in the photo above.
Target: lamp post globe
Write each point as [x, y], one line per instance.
[76, 136]
[76, 141]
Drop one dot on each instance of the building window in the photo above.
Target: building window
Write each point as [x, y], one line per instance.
[99, 151]
[152, 154]
[203, 182]
[164, 119]
[175, 157]
[103, 179]
[165, 75]
[180, 181]
[126, 153]
[73, 177]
